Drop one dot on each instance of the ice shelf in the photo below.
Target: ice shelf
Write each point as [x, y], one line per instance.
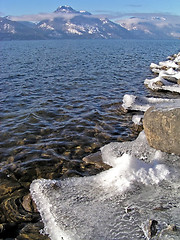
[117, 203]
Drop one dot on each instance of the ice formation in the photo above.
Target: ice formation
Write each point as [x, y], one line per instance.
[135, 103]
[166, 85]
[137, 119]
[95, 207]
[168, 75]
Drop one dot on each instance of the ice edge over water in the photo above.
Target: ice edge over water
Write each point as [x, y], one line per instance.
[135, 103]
[133, 163]
[44, 207]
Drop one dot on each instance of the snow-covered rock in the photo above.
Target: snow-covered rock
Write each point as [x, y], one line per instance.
[136, 103]
[168, 75]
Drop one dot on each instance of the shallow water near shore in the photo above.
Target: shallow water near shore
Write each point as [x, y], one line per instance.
[60, 94]
[60, 101]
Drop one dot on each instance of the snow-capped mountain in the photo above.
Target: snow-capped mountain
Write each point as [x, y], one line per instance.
[11, 30]
[68, 9]
[65, 22]
[69, 23]
[153, 27]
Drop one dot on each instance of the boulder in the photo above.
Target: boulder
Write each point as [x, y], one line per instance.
[162, 128]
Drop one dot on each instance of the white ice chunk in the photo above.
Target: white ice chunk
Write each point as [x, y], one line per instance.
[177, 59]
[175, 88]
[171, 71]
[156, 70]
[166, 85]
[169, 64]
[132, 102]
[170, 75]
[94, 207]
[177, 75]
[154, 65]
[128, 101]
[137, 119]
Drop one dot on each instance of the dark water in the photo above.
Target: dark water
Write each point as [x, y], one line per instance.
[63, 97]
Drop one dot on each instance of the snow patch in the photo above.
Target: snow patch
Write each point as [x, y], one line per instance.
[9, 28]
[46, 26]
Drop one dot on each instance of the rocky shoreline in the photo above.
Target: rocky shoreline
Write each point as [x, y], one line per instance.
[19, 218]
[162, 116]
[168, 78]
[160, 120]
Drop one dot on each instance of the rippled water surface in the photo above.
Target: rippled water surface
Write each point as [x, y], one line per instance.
[62, 98]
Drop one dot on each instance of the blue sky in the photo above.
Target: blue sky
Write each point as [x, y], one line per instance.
[23, 7]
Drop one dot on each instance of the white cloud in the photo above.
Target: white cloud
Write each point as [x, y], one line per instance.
[158, 19]
[117, 17]
[42, 16]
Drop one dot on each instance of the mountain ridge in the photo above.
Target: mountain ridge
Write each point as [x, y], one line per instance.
[154, 27]
[68, 23]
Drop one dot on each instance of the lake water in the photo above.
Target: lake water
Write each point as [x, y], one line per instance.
[60, 95]
[61, 101]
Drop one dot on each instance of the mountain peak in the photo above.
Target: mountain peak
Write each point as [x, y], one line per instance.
[68, 9]
[65, 9]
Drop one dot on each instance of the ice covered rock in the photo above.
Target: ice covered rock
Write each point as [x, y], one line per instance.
[169, 64]
[154, 84]
[154, 65]
[161, 126]
[136, 103]
[94, 207]
[168, 75]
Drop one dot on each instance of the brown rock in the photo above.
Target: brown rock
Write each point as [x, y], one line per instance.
[178, 81]
[8, 185]
[28, 204]
[32, 231]
[159, 83]
[161, 126]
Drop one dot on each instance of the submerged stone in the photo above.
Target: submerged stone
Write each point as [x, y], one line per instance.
[32, 231]
[96, 159]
